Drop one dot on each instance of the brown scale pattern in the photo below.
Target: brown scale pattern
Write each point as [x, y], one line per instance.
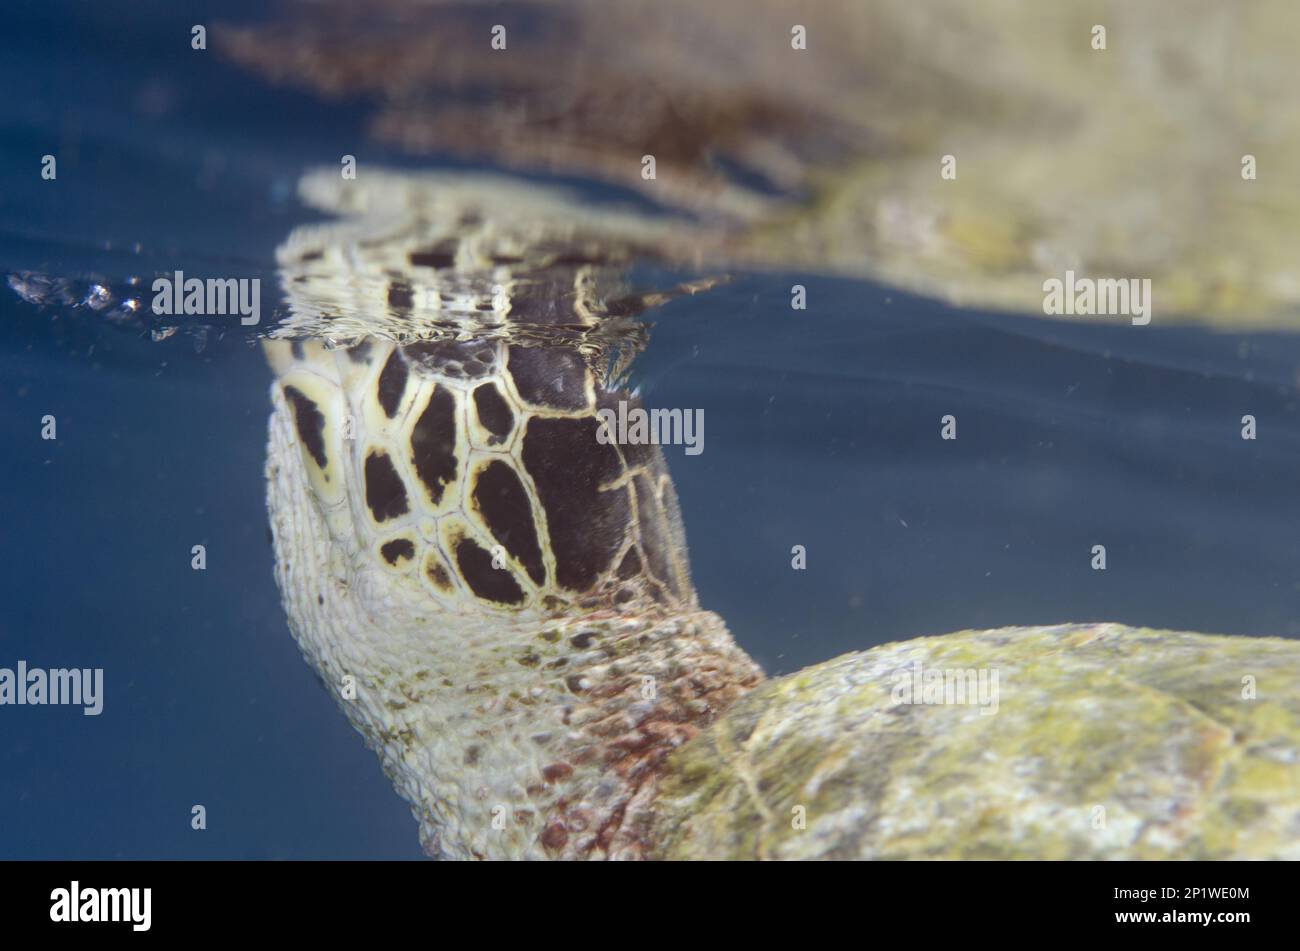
[582, 522]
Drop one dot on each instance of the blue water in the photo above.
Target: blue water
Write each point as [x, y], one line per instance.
[822, 430]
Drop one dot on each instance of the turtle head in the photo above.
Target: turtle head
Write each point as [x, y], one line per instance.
[497, 592]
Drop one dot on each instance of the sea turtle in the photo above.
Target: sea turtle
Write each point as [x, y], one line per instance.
[501, 599]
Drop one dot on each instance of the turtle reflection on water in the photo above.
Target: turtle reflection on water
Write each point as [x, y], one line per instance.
[963, 151]
[503, 603]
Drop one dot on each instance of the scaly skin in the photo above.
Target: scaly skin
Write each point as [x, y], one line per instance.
[583, 705]
[544, 725]
[510, 597]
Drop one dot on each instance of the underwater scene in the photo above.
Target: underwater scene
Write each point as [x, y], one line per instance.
[765, 430]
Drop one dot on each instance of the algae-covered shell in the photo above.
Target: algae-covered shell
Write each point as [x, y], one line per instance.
[1080, 742]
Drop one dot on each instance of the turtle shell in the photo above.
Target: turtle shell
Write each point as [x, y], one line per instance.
[1070, 742]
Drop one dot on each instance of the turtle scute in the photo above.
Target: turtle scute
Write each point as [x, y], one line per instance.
[1095, 742]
